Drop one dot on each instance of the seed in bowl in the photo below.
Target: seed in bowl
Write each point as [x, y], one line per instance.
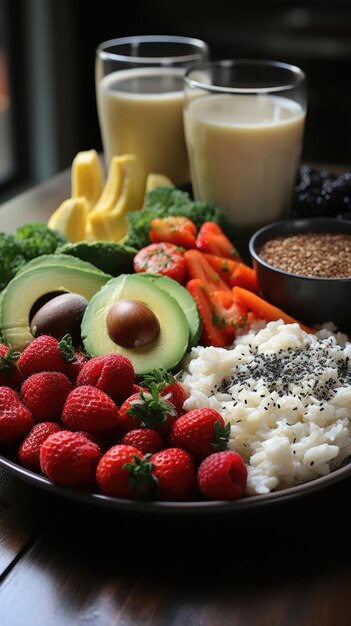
[320, 254]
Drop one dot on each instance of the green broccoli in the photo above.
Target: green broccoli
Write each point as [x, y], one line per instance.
[11, 258]
[37, 239]
[168, 201]
[29, 241]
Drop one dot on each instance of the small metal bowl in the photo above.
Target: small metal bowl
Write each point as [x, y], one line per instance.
[310, 300]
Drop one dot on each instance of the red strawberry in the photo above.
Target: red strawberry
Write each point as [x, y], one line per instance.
[45, 354]
[113, 478]
[29, 450]
[73, 368]
[9, 374]
[175, 472]
[44, 394]
[69, 458]
[112, 373]
[222, 476]
[15, 419]
[89, 409]
[167, 386]
[147, 410]
[201, 432]
[146, 440]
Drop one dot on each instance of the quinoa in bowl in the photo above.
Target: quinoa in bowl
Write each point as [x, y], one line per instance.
[303, 266]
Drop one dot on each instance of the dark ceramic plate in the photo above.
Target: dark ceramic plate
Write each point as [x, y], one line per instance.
[176, 508]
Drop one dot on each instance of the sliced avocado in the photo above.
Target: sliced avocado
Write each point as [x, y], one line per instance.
[112, 258]
[59, 260]
[166, 350]
[23, 291]
[184, 298]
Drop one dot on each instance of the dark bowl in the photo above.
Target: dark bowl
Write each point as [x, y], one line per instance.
[310, 300]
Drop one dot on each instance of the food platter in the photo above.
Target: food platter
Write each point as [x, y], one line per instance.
[193, 508]
[10, 463]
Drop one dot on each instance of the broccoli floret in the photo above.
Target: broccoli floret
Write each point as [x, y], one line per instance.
[37, 239]
[168, 201]
[11, 258]
[167, 197]
[30, 241]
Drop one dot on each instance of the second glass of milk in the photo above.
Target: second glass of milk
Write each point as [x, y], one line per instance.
[140, 97]
[244, 124]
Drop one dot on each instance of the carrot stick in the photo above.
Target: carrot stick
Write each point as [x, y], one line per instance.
[244, 276]
[264, 309]
[199, 267]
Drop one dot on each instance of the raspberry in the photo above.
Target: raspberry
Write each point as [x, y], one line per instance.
[222, 476]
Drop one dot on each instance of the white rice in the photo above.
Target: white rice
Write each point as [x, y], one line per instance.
[287, 396]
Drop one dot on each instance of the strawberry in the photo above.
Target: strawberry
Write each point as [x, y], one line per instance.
[178, 230]
[222, 476]
[167, 386]
[44, 394]
[9, 374]
[73, 368]
[46, 354]
[112, 373]
[201, 432]
[146, 440]
[69, 458]
[29, 450]
[112, 475]
[212, 239]
[15, 419]
[90, 409]
[175, 473]
[147, 410]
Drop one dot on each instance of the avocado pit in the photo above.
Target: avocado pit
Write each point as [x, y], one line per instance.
[60, 316]
[132, 323]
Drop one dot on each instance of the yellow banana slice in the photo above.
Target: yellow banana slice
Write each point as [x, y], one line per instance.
[124, 191]
[87, 177]
[70, 218]
[157, 180]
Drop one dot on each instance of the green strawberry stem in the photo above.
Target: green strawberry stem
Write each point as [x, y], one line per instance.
[8, 362]
[67, 349]
[141, 479]
[159, 377]
[221, 436]
[152, 410]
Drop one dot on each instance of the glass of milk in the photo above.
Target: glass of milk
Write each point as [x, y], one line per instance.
[140, 97]
[244, 124]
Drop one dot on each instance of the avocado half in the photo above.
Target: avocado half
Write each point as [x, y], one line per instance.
[108, 256]
[184, 298]
[166, 351]
[43, 275]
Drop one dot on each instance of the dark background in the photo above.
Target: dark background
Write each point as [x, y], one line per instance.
[52, 45]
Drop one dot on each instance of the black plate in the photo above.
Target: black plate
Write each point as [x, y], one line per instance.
[242, 505]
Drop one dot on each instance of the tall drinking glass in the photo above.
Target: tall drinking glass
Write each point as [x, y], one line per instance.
[244, 126]
[140, 96]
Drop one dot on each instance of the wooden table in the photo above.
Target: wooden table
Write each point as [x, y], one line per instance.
[63, 563]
